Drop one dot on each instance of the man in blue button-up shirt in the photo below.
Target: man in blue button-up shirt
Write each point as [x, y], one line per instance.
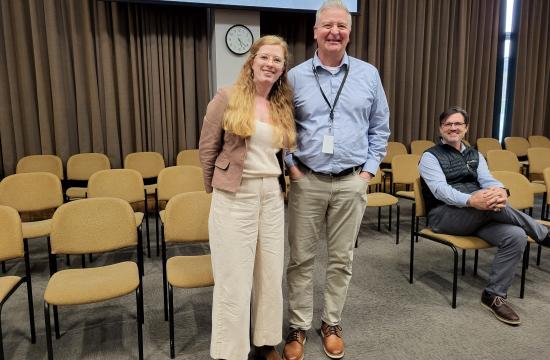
[342, 122]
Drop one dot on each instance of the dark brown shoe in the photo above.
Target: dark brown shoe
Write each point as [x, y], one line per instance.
[332, 340]
[266, 353]
[294, 346]
[500, 308]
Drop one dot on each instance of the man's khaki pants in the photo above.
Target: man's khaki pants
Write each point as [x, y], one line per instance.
[247, 245]
[315, 200]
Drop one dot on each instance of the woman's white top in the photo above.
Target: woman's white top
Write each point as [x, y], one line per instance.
[261, 158]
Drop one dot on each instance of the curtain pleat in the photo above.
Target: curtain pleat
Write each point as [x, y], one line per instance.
[531, 104]
[94, 76]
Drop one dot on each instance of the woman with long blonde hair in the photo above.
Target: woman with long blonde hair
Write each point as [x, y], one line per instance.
[245, 131]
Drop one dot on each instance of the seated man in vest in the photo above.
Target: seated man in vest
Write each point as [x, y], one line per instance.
[462, 198]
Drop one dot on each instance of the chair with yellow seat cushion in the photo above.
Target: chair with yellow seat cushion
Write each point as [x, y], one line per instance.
[125, 184]
[405, 172]
[419, 146]
[175, 180]
[539, 159]
[41, 163]
[454, 242]
[380, 199]
[485, 144]
[518, 145]
[95, 225]
[185, 221]
[539, 141]
[12, 246]
[79, 169]
[148, 164]
[188, 157]
[505, 160]
[35, 196]
[521, 198]
[393, 148]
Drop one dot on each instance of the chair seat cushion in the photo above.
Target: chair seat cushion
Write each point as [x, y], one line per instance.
[381, 199]
[538, 188]
[462, 242]
[405, 194]
[162, 215]
[36, 229]
[76, 193]
[7, 283]
[189, 271]
[90, 285]
[139, 218]
[150, 189]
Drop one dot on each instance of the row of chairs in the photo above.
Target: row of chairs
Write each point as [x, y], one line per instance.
[101, 225]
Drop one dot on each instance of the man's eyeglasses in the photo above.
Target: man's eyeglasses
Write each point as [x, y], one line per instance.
[449, 125]
[277, 61]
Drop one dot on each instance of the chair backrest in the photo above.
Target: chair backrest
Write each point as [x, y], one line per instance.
[175, 180]
[546, 176]
[377, 179]
[517, 145]
[539, 141]
[31, 191]
[420, 206]
[539, 159]
[419, 146]
[188, 157]
[40, 163]
[11, 234]
[147, 163]
[394, 148]
[125, 184]
[93, 226]
[521, 193]
[82, 166]
[405, 168]
[503, 160]
[485, 144]
[186, 217]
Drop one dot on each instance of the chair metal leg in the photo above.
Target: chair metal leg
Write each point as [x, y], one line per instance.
[28, 280]
[157, 221]
[389, 217]
[56, 322]
[475, 261]
[463, 271]
[539, 253]
[48, 330]
[1, 341]
[379, 216]
[397, 225]
[171, 322]
[140, 252]
[164, 281]
[411, 261]
[524, 270]
[146, 217]
[455, 275]
[139, 323]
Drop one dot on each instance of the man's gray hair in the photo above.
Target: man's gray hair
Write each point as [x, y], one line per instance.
[332, 4]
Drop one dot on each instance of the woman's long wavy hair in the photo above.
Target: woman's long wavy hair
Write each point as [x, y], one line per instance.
[239, 115]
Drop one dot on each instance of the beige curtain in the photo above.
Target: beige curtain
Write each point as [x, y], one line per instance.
[94, 76]
[431, 54]
[531, 105]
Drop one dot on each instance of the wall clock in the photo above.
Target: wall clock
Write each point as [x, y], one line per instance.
[239, 39]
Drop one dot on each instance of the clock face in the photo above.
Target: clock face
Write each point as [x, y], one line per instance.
[239, 39]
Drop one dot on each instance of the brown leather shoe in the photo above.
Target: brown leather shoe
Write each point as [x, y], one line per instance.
[500, 308]
[294, 346]
[332, 341]
[266, 353]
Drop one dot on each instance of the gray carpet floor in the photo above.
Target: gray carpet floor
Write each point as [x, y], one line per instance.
[385, 317]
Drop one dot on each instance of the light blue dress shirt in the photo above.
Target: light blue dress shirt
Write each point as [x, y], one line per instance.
[433, 175]
[361, 116]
